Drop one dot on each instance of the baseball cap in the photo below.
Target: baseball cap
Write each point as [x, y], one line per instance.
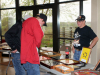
[26, 17]
[44, 17]
[80, 18]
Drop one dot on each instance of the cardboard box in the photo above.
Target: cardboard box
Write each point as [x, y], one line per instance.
[63, 68]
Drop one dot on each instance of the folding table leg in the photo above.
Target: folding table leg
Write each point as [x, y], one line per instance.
[8, 63]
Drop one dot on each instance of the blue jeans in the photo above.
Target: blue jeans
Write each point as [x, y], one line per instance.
[19, 69]
[77, 55]
[32, 69]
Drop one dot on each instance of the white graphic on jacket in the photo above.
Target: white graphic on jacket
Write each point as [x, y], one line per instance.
[76, 40]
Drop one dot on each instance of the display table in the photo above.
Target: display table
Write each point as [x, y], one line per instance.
[5, 48]
[1, 56]
[88, 66]
[59, 66]
[8, 63]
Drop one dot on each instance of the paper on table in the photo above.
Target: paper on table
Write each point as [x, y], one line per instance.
[63, 68]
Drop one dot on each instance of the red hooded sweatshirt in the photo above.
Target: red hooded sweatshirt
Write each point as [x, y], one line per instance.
[31, 36]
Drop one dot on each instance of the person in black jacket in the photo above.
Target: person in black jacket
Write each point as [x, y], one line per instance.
[12, 37]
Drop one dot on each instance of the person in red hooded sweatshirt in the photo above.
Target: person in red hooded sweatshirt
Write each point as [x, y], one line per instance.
[31, 37]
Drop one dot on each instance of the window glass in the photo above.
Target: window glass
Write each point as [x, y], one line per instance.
[26, 2]
[65, 42]
[8, 18]
[44, 1]
[28, 12]
[7, 3]
[68, 14]
[48, 12]
[63, 0]
[87, 11]
[47, 40]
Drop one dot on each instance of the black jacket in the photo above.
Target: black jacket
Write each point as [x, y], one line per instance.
[12, 36]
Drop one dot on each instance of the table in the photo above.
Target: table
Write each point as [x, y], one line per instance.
[5, 48]
[88, 66]
[1, 56]
[9, 58]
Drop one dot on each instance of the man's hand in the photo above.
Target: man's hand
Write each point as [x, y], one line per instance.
[93, 43]
[14, 51]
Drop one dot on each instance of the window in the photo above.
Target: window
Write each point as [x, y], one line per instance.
[47, 40]
[87, 11]
[7, 20]
[26, 2]
[44, 1]
[68, 14]
[29, 12]
[63, 0]
[7, 3]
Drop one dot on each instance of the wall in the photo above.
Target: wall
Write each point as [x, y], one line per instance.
[95, 24]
